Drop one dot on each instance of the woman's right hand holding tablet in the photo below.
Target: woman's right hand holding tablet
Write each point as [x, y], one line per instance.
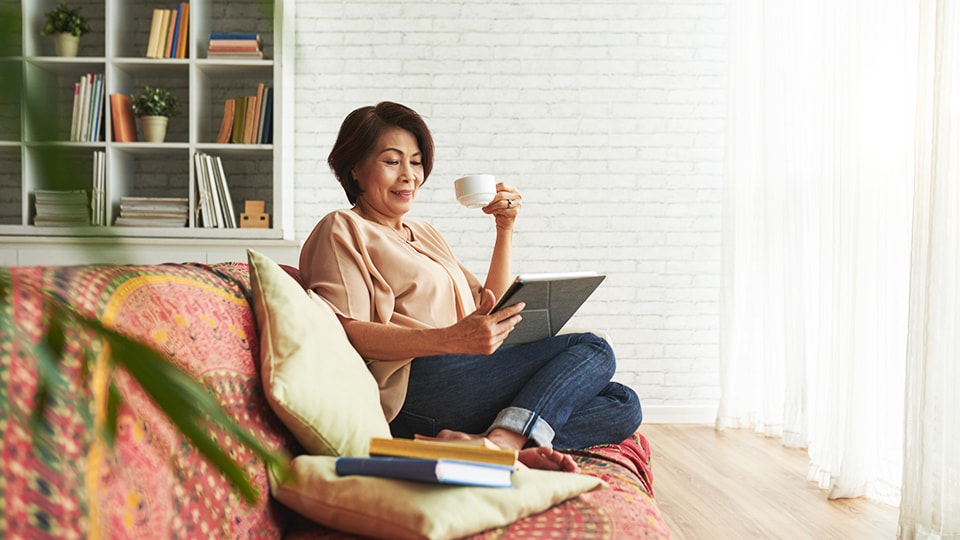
[483, 332]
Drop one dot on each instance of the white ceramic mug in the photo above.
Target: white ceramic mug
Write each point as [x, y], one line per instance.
[475, 190]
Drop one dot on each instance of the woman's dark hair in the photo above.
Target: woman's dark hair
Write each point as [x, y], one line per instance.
[360, 132]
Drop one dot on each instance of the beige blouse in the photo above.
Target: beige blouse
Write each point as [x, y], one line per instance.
[367, 272]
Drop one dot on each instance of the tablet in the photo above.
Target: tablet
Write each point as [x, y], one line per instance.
[551, 299]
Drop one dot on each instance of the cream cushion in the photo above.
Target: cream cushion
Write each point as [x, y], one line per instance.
[314, 379]
[400, 509]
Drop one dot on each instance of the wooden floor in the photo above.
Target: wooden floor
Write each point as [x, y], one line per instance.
[737, 484]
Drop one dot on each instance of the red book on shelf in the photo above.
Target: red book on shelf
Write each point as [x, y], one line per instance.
[169, 50]
[226, 127]
[234, 48]
[121, 111]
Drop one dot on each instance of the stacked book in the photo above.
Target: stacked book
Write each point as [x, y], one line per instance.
[153, 212]
[248, 119]
[61, 208]
[215, 206]
[86, 123]
[235, 46]
[472, 462]
[169, 30]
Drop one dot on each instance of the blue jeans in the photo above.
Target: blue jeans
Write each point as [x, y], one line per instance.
[557, 392]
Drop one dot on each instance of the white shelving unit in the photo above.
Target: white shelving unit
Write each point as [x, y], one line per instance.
[116, 47]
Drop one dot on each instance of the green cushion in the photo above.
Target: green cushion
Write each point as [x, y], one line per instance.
[400, 509]
[314, 379]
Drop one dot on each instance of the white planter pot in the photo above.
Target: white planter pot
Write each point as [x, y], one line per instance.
[66, 44]
[154, 128]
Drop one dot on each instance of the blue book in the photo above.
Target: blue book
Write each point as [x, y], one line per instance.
[235, 36]
[438, 471]
[267, 135]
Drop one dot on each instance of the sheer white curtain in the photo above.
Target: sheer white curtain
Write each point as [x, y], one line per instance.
[816, 232]
[931, 473]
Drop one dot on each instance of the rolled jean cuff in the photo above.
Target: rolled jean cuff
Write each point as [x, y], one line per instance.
[525, 423]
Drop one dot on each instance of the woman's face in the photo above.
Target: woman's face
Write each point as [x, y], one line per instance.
[390, 177]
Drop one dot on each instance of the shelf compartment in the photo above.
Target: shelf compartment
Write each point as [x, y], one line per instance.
[91, 44]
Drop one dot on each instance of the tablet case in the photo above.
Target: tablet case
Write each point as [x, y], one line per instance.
[551, 299]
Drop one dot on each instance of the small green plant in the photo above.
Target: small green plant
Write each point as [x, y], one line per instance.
[155, 102]
[64, 19]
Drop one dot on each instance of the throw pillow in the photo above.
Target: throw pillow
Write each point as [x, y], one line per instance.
[399, 509]
[314, 379]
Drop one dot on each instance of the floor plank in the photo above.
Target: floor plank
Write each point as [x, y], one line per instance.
[737, 484]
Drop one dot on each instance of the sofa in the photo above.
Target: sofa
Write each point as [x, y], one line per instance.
[59, 480]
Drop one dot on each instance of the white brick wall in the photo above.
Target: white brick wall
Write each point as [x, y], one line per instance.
[608, 116]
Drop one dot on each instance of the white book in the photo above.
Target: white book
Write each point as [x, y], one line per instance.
[95, 192]
[225, 192]
[215, 194]
[81, 100]
[203, 198]
[85, 99]
[102, 178]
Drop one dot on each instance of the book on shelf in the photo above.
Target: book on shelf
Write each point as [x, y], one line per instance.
[226, 126]
[154, 38]
[183, 31]
[221, 178]
[169, 28]
[76, 112]
[215, 206]
[257, 114]
[248, 119]
[96, 108]
[205, 214]
[169, 48]
[86, 120]
[98, 206]
[161, 51]
[267, 135]
[441, 471]
[239, 115]
[236, 46]
[466, 450]
[261, 118]
[236, 55]
[61, 208]
[217, 36]
[251, 114]
[153, 212]
[121, 111]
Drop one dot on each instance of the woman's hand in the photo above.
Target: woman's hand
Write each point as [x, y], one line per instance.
[483, 332]
[505, 206]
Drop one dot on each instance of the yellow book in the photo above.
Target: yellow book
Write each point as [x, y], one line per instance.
[466, 450]
[154, 38]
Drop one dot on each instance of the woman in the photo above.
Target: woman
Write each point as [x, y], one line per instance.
[422, 320]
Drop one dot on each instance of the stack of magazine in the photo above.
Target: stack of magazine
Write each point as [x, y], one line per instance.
[57, 208]
[153, 212]
[473, 462]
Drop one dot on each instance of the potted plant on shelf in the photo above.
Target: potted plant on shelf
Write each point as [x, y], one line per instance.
[154, 106]
[66, 25]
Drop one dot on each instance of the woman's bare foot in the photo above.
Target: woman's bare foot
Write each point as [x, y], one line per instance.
[548, 459]
[538, 457]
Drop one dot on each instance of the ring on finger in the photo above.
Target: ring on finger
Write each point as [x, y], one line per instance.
[509, 203]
